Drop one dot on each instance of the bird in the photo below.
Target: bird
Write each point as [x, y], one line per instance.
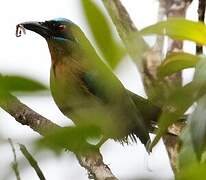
[86, 90]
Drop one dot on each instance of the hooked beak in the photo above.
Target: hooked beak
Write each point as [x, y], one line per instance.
[39, 27]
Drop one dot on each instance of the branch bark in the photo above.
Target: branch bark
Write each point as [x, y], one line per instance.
[92, 162]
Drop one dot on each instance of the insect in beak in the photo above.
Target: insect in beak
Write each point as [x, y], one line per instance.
[19, 30]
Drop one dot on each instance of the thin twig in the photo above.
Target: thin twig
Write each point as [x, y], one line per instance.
[201, 18]
[32, 162]
[15, 163]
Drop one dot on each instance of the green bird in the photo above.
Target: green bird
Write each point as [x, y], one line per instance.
[86, 90]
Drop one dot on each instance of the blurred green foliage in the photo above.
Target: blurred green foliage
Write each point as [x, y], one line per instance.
[175, 62]
[198, 127]
[179, 29]
[182, 98]
[14, 83]
[191, 160]
[111, 49]
[186, 156]
[71, 138]
[20, 84]
[193, 172]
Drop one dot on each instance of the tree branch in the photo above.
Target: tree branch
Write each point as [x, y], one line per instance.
[128, 32]
[92, 162]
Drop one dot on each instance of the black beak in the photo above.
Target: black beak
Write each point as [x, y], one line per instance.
[38, 27]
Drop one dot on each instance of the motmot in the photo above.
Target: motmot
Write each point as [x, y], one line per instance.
[86, 90]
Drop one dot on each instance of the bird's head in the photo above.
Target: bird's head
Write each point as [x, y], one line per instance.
[57, 29]
[61, 34]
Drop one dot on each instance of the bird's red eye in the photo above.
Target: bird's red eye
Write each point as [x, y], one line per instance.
[61, 27]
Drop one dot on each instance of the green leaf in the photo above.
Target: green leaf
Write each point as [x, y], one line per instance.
[180, 100]
[198, 127]
[111, 50]
[71, 138]
[194, 171]
[180, 29]
[175, 62]
[186, 155]
[20, 84]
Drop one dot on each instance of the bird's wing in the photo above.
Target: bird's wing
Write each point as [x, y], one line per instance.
[97, 85]
[91, 84]
[109, 90]
[101, 82]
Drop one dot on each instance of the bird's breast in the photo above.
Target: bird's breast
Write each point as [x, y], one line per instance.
[67, 88]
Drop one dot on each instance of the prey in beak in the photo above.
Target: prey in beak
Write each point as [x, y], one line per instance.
[19, 30]
[39, 27]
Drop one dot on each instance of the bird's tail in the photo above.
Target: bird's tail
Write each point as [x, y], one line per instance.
[149, 111]
[143, 137]
[147, 143]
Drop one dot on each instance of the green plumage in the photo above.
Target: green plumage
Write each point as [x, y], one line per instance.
[87, 91]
